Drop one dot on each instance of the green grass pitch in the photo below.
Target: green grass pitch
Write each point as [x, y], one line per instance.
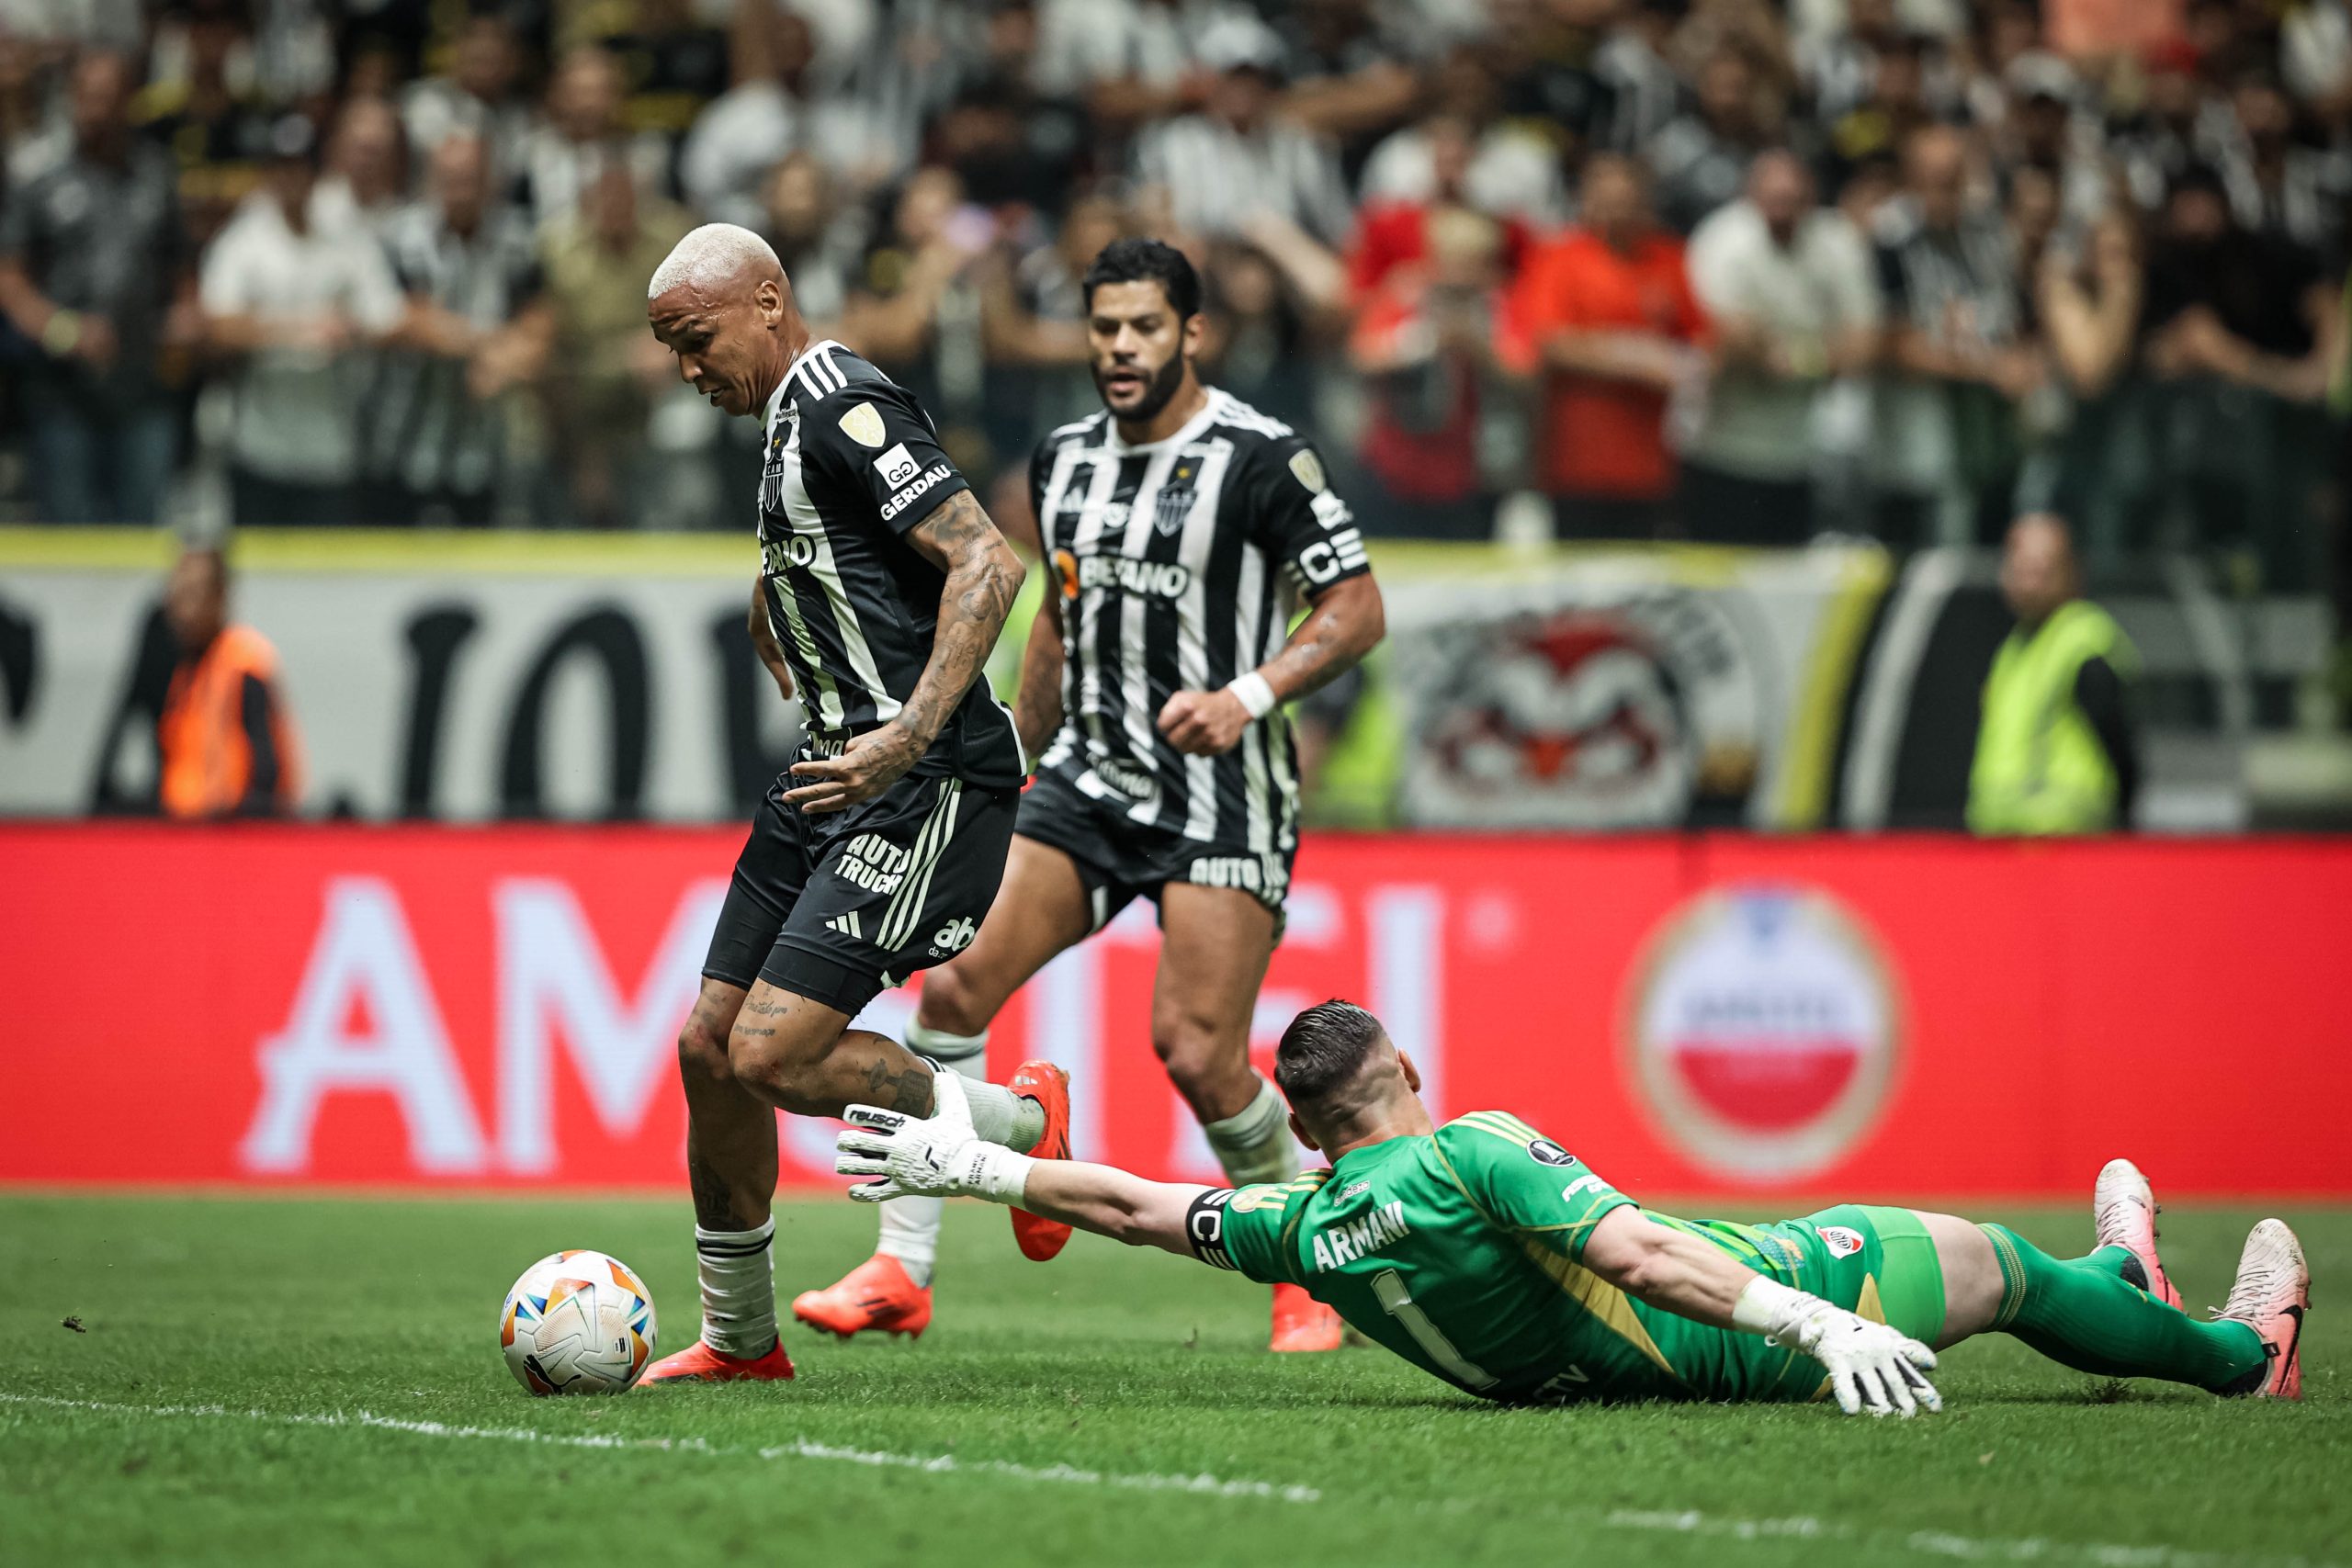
[298, 1381]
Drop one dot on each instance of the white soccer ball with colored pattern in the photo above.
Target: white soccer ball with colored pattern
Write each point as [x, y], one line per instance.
[577, 1322]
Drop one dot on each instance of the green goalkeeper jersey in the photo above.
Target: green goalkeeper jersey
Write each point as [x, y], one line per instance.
[1461, 1252]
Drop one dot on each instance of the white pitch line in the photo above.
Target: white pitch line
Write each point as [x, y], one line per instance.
[1692, 1521]
[1942, 1543]
[798, 1448]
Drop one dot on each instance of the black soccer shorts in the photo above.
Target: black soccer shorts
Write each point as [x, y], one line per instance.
[840, 907]
[1120, 859]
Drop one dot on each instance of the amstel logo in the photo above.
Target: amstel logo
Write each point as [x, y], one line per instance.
[1763, 1029]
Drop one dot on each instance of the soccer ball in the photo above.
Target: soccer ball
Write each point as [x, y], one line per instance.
[577, 1322]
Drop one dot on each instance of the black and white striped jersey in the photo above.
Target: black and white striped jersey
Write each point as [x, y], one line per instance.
[1179, 564]
[851, 465]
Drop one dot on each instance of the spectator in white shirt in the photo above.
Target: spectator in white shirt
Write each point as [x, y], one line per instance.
[1131, 61]
[1789, 286]
[1234, 161]
[567, 149]
[477, 96]
[1514, 168]
[367, 165]
[749, 128]
[295, 304]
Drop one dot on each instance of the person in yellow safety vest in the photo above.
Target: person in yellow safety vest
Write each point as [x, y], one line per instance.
[227, 744]
[2056, 748]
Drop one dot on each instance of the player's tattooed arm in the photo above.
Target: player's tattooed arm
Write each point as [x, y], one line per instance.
[1348, 620]
[764, 639]
[1038, 709]
[983, 577]
[1345, 623]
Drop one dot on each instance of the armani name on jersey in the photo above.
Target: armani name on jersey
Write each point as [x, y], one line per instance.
[851, 466]
[1178, 565]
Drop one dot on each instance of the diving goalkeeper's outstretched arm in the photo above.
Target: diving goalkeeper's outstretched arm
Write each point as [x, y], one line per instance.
[943, 1156]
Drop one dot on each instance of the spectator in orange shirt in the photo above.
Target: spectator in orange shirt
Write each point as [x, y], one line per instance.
[1434, 336]
[226, 740]
[1619, 337]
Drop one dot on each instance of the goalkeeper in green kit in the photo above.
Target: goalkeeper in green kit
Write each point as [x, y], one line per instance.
[1487, 1255]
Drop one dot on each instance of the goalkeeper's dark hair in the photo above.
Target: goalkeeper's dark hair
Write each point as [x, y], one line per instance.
[1134, 260]
[1323, 1053]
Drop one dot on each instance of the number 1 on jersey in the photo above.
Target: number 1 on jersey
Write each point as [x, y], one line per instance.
[1398, 1303]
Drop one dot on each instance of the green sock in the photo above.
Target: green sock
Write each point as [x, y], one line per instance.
[2084, 1314]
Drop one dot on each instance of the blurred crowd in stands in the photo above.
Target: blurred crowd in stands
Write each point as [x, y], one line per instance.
[1730, 270]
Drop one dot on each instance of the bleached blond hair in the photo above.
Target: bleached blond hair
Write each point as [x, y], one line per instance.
[711, 256]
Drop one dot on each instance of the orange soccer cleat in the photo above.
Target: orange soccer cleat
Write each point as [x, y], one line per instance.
[699, 1363]
[2272, 1293]
[1048, 1085]
[2124, 1210]
[1301, 1322]
[877, 1296]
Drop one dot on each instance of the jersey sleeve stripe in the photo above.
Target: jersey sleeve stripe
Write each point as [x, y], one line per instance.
[1437, 1146]
[1497, 1124]
[1609, 1306]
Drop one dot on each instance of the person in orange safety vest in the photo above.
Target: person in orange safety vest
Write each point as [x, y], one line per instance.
[227, 742]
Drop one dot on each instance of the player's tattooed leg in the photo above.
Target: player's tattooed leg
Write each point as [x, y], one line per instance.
[907, 1090]
[730, 1136]
[800, 1055]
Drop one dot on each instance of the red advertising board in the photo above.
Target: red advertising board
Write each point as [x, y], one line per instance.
[1857, 1018]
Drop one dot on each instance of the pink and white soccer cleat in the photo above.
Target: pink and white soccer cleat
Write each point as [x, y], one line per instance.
[2272, 1293]
[2124, 1213]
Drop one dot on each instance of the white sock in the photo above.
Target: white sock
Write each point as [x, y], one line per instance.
[998, 1115]
[737, 1290]
[910, 1225]
[1255, 1144]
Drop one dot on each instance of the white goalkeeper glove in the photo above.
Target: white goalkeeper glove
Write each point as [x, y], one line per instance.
[1871, 1367]
[938, 1157]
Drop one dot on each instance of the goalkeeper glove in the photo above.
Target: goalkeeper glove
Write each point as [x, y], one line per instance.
[940, 1158]
[1871, 1367]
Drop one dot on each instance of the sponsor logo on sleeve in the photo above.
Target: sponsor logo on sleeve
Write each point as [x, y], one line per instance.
[1543, 1151]
[897, 466]
[938, 473]
[1587, 1182]
[862, 424]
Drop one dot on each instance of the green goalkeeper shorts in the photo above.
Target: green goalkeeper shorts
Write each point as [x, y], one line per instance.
[1878, 1262]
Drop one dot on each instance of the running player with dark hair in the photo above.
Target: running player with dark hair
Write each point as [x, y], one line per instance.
[1182, 527]
[1488, 1255]
[882, 587]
